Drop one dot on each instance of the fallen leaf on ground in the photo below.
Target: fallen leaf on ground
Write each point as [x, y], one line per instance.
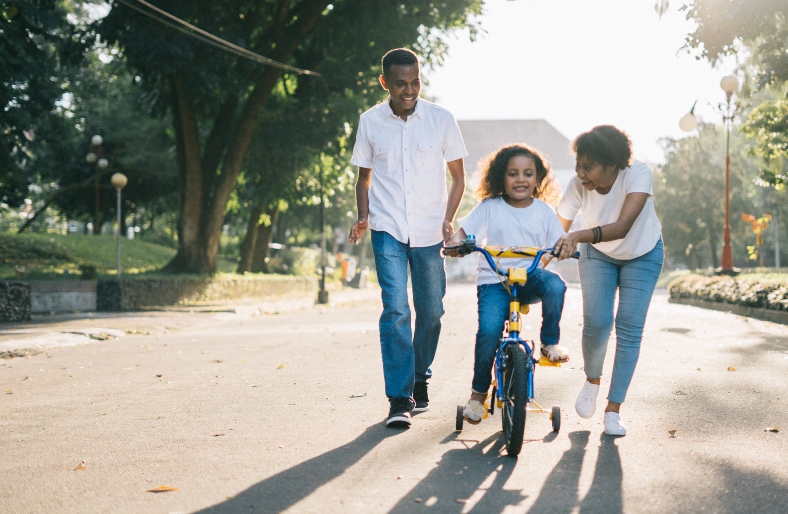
[417, 500]
[679, 393]
[162, 489]
[218, 360]
[81, 465]
[672, 433]
[281, 366]
[217, 435]
[399, 477]
[26, 378]
[359, 395]
[9, 391]
[772, 429]
[100, 336]
[698, 369]
[731, 368]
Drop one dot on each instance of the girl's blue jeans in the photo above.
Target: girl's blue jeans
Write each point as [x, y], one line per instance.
[407, 356]
[493, 302]
[600, 277]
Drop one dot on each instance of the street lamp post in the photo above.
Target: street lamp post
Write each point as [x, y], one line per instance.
[119, 182]
[96, 155]
[689, 122]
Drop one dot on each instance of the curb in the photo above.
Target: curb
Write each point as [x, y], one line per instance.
[780, 317]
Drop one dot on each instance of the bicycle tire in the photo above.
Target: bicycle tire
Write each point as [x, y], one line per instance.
[515, 398]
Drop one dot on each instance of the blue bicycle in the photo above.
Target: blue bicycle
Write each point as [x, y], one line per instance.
[515, 358]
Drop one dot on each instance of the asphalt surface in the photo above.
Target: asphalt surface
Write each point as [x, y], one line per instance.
[279, 406]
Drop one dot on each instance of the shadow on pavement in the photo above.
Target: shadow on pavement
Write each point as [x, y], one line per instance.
[460, 474]
[559, 492]
[605, 493]
[290, 486]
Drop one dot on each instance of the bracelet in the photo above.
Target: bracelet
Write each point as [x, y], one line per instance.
[597, 235]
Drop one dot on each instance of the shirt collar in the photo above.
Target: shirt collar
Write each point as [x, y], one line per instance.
[418, 111]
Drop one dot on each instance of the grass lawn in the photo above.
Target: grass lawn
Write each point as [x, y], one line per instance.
[54, 256]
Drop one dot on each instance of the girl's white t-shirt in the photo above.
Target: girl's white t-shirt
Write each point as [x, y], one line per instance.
[496, 223]
[599, 209]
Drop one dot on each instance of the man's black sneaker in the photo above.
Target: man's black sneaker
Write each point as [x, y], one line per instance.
[421, 397]
[399, 413]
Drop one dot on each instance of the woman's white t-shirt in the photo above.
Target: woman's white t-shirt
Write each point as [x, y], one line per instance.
[600, 209]
[496, 223]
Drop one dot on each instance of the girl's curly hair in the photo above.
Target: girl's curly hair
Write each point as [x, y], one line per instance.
[493, 176]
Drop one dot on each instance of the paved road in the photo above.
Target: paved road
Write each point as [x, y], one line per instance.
[269, 409]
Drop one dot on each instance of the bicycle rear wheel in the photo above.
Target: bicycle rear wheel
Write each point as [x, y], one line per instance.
[515, 398]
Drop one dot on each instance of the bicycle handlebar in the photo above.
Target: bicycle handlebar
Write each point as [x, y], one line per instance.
[468, 246]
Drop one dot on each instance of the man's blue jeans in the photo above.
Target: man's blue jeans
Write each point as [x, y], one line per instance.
[493, 303]
[600, 277]
[407, 357]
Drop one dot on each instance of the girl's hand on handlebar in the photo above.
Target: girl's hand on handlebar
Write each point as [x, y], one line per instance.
[357, 231]
[566, 246]
[452, 249]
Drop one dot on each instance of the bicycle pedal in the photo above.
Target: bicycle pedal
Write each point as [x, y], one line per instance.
[544, 361]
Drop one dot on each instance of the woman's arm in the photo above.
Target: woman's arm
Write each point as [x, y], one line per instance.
[633, 206]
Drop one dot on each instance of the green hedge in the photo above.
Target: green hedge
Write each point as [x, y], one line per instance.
[132, 294]
[759, 291]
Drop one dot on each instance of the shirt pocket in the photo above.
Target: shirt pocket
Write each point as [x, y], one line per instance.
[381, 155]
[430, 155]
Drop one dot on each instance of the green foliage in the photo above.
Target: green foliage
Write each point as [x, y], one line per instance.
[34, 35]
[689, 194]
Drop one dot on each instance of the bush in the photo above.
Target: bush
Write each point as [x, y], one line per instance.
[761, 291]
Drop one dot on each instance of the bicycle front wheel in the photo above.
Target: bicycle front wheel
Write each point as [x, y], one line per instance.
[515, 398]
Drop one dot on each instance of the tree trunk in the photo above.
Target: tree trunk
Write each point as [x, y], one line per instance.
[264, 233]
[203, 203]
[250, 240]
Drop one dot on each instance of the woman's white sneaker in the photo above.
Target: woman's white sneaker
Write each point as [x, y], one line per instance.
[585, 405]
[613, 425]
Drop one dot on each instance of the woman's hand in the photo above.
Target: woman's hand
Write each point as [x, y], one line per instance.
[566, 246]
[357, 231]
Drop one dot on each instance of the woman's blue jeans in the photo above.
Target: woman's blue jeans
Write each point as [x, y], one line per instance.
[493, 302]
[407, 357]
[600, 277]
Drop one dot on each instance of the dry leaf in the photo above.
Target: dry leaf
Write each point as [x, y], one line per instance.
[358, 395]
[218, 360]
[679, 393]
[9, 391]
[217, 435]
[163, 489]
[26, 378]
[772, 429]
[281, 366]
[81, 465]
[698, 369]
[417, 500]
[672, 433]
[731, 368]
[399, 477]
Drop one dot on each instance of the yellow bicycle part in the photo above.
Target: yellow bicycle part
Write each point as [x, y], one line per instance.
[512, 252]
[544, 361]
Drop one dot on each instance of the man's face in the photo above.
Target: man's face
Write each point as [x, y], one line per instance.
[403, 84]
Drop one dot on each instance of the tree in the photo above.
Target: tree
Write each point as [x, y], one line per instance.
[35, 44]
[690, 197]
[218, 100]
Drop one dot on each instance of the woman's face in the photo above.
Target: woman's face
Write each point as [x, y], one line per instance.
[520, 180]
[595, 176]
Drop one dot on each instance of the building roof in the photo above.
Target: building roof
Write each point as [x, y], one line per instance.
[483, 137]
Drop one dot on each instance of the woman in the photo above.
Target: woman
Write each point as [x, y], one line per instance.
[621, 251]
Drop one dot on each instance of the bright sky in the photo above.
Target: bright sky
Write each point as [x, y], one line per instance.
[581, 63]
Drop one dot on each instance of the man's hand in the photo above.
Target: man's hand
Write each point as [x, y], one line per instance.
[448, 231]
[357, 231]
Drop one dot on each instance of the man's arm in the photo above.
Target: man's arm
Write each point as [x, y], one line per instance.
[362, 203]
[457, 172]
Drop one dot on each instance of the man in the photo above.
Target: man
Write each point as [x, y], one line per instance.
[401, 147]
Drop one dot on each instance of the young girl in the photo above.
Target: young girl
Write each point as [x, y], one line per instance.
[515, 191]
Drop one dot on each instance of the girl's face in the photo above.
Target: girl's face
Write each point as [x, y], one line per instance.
[520, 181]
[595, 176]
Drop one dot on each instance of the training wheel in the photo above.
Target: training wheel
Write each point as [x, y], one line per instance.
[460, 418]
[555, 417]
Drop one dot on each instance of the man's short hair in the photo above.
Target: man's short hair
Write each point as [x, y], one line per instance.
[398, 57]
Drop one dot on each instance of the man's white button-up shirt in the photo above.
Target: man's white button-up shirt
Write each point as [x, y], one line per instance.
[408, 197]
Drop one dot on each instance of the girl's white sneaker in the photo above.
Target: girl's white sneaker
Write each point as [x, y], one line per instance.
[585, 405]
[613, 425]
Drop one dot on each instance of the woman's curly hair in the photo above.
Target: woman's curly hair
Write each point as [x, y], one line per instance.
[606, 145]
[493, 169]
